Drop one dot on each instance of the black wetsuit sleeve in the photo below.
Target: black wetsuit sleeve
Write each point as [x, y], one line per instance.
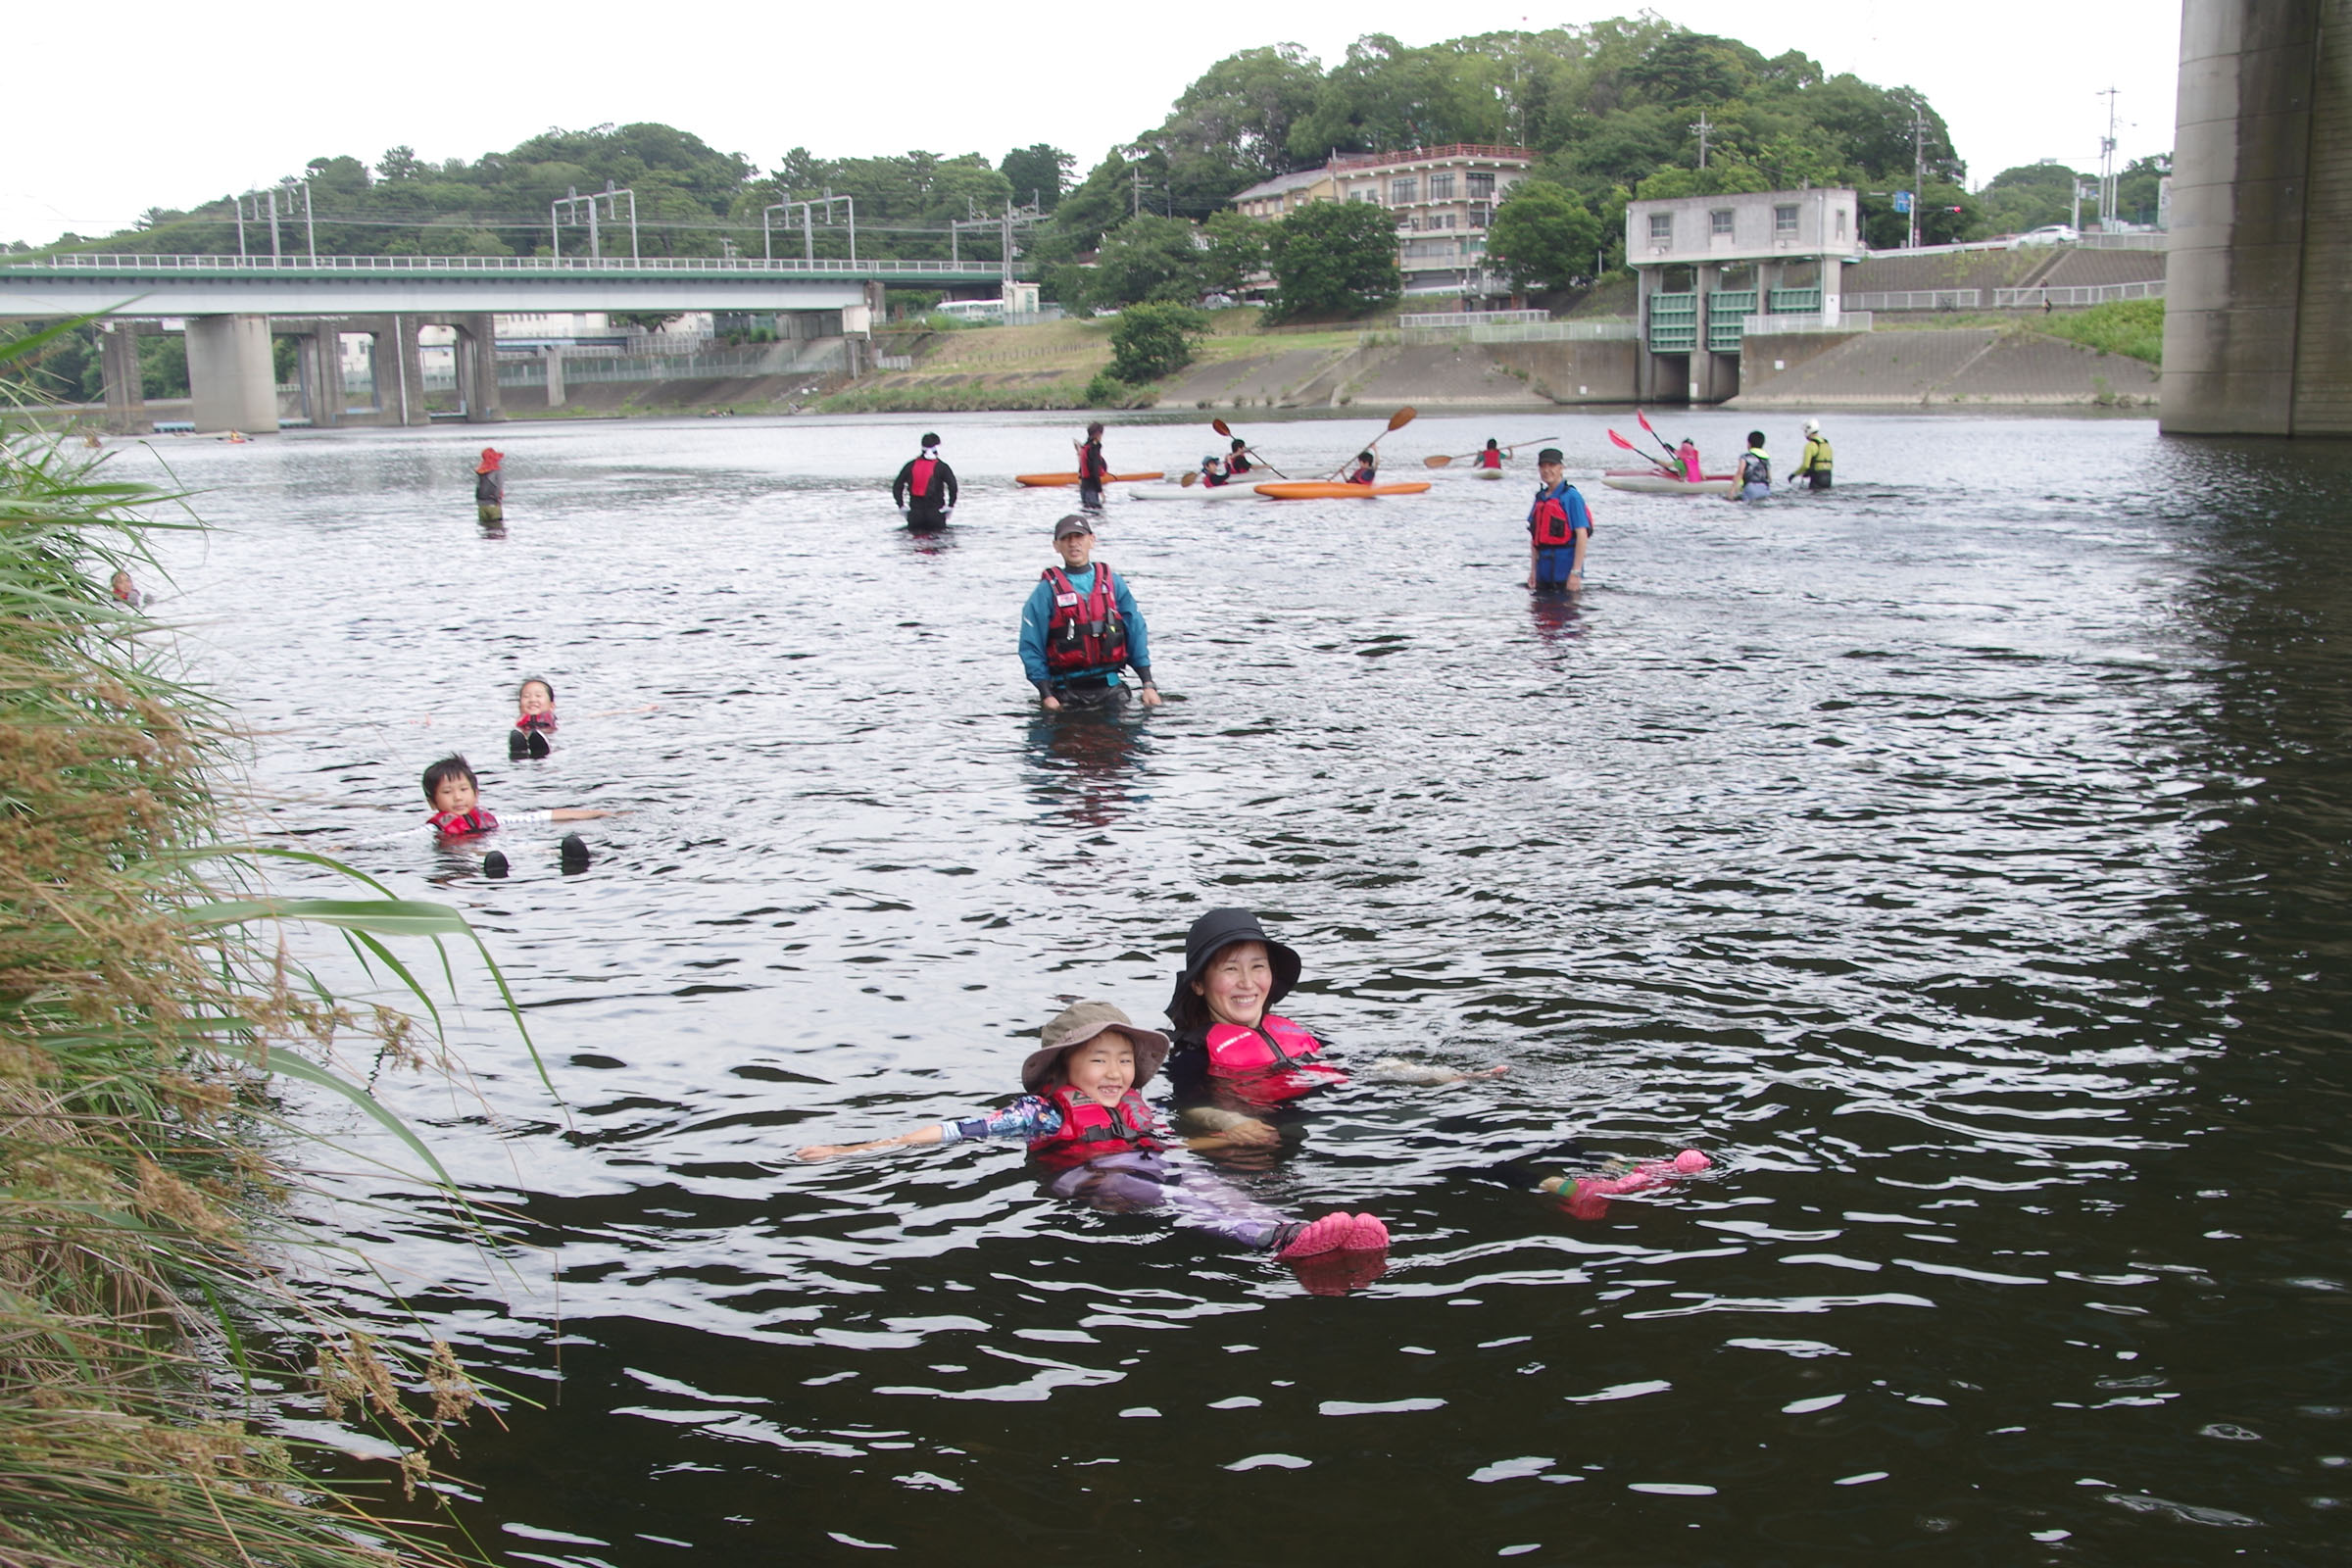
[897, 486]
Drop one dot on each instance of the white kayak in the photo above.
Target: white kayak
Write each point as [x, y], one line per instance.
[1192, 492]
[1650, 482]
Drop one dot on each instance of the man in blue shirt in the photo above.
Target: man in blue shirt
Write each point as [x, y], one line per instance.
[1080, 626]
[1559, 527]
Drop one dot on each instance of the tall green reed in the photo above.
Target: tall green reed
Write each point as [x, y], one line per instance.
[152, 1006]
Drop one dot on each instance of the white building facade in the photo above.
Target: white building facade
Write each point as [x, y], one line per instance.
[1442, 200]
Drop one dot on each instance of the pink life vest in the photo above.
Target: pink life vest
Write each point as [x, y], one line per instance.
[1272, 1062]
[452, 825]
[1091, 1129]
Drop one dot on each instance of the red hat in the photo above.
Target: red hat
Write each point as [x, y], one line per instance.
[491, 457]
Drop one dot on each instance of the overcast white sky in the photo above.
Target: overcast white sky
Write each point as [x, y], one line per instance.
[146, 104]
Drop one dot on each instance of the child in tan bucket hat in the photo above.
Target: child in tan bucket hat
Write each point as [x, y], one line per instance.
[1085, 1121]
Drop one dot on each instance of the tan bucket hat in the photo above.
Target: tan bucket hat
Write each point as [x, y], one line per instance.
[1081, 1023]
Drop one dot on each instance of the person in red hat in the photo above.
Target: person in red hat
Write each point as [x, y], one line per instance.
[490, 486]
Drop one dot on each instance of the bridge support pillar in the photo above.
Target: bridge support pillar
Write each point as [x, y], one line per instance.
[233, 384]
[478, 368]
[322, 366]
[398, 372]
[553, 358]
[2258, 289]
[126, 379]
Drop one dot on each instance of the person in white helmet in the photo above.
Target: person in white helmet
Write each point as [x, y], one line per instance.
[1815, 464]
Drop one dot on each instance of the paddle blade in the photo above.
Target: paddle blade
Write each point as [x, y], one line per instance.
[1186, 483]
[1437, 461]
[1623, 442]
[1401, 419]
[1645, 424]
[1221, 427]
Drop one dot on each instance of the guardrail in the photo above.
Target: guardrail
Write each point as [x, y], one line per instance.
[1919, 298]
[822, 266]
[2128, 242]
[1602, 331]
[1470, 317]
[2023, 299]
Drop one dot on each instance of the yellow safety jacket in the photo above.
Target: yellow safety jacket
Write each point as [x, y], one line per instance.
[1816, 457]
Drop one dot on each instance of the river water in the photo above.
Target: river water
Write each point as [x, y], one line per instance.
[1959, 859]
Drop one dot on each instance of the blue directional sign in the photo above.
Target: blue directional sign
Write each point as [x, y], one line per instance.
[1902, 201]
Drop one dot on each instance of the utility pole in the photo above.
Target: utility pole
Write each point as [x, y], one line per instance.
[1703, 127]
[1919, 168]
[1135, 184]
[2107, 182]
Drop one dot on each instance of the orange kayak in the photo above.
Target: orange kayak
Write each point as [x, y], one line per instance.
[1334, 490]
[1045, 480]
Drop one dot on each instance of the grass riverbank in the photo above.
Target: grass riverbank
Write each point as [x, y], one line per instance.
[150, 1009]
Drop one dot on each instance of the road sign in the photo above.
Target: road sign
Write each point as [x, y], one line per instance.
[1902, 201]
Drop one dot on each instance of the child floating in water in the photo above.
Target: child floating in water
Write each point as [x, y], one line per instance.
[1086, 1122]
[535, 718]
[1228, 1042]
[1588, 1196]
[125, 593]
[457, 814]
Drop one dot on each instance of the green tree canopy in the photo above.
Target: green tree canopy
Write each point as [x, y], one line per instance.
[1037, 172]
[1154, 340]
[1333, 259]
[1543, 236]
[1149, 258]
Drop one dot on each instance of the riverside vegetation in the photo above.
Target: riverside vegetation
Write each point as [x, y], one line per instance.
[153, 1323]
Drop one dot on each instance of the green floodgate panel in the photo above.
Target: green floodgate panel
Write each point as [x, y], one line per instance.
[1673, 323]
[1725, 309]
[1795, 302]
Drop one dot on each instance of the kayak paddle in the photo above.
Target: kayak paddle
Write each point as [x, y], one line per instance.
[1654, 436]
[1439, 463]
[1226, 431]
[1675, 472]
[1396, 421]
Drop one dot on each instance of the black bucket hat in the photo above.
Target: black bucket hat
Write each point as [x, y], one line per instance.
[1219, 929]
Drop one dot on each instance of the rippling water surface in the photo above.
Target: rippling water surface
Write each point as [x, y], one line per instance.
[1958, 858]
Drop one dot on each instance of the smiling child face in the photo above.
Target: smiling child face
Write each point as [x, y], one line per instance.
[1103, 1069]
[1237, 983]
[536, 698]
[456, 795]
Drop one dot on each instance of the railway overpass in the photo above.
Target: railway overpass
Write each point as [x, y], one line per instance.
[233, 305]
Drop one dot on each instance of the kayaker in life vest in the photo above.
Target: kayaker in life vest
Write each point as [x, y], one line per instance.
[490, 486]
[1559, 527]
[1214, 471]
[1080, 627]
[1815, 464]
[1085, 1121]
[1491, 458]
[1367, 470]
[1093, 468]
[1229, 1044]
[1687, 456]
[1237, 462]
[1755, 470]
[925, 488]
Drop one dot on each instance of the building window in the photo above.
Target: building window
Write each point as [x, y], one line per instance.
[1481, 187]
[1441, 187]
[1719, 222]
[1661, 228]
[1842, 222]
[1441, 220]
[1784, 222]
[1481, 216]
[1402, 190]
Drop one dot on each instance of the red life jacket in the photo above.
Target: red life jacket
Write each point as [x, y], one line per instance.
[540, 722]
[1239, 463]
[918, 476]
[1550, 521]
[1090, 462]
[1490, 459]
[1090, 1129]
[451, 825]
[1085, 631]
[1364, 476]
[1274, 1061]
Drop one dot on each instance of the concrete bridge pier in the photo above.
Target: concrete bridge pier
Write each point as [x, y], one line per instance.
[319, 367]
[2258, 307]
[478, 368]
[126, 379]
[398, 372]
[232, 383]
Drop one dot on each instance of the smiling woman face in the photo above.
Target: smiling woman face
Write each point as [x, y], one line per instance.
[1237, 983]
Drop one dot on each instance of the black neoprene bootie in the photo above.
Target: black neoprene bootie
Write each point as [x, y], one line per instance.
[575, 852]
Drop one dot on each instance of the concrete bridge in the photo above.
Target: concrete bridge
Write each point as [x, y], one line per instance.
[2258, 318]
[233, 306]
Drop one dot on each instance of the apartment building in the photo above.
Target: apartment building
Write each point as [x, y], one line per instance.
[1443, 198]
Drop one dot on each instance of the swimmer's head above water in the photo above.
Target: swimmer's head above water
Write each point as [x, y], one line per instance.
[450, 786]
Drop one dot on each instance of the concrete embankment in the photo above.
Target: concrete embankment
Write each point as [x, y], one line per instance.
[1983, 365]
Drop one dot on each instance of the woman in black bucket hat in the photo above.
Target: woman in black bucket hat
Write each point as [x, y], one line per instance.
[1228, 1039]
